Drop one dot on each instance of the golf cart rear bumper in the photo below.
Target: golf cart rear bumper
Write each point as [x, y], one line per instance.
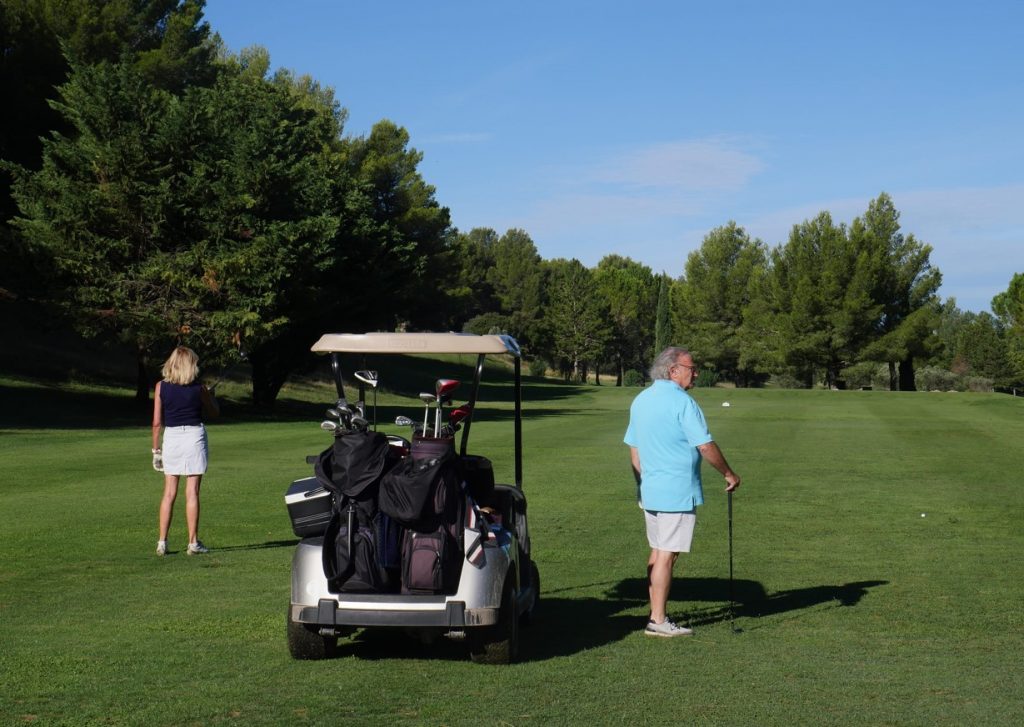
[415, 611]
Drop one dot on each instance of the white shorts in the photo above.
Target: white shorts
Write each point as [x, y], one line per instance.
[185, 450]
[670, 531]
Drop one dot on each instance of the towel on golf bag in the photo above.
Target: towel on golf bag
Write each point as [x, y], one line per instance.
[353, 463]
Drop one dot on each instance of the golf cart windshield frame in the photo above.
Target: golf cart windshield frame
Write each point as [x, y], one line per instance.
[427, 343]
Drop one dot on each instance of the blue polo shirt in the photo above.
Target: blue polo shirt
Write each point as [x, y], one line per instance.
[666, 426]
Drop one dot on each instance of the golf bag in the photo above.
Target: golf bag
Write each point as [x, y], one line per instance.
[361, 544]
[424, 494]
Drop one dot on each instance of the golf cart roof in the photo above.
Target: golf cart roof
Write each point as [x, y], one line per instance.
[416, 343]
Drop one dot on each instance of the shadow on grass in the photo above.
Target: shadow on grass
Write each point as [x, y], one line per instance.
[51, 405]
[567, 626]
[260, 546]
[750, 599]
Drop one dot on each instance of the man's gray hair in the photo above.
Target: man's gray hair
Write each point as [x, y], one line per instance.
[665, 360]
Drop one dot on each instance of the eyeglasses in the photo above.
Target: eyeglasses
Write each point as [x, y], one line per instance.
[693, 369]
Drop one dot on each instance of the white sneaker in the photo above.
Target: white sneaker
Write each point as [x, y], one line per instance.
[197, 548]
[666, 629]
[161, 547]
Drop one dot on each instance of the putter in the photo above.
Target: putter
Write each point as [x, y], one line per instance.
[370, 379]
[732, 600]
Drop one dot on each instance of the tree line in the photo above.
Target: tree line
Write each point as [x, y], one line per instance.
[159, 189]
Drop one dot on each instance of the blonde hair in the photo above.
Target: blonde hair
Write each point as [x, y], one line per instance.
[181, 367]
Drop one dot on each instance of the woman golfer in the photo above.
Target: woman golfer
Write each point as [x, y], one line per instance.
[179, 407]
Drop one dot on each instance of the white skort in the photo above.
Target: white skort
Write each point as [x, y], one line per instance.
[185, 450]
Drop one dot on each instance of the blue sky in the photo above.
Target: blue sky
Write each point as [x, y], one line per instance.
[636, 127]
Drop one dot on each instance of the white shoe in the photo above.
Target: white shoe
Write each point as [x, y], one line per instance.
[667, 629]
[197, 548]
[161, 547]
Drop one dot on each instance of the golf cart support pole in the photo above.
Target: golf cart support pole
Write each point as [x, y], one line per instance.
[519, 423]
[336, 370]
[468, 421]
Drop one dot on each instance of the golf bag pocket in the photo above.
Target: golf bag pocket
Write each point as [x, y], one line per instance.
[423, 561]
[389, 543]
[350, 562]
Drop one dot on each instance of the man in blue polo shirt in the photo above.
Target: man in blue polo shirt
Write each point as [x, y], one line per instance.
[667, 438]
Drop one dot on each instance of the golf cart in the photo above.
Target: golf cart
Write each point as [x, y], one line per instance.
[410, 533]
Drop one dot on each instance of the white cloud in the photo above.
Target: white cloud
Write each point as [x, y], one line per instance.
[716, 163]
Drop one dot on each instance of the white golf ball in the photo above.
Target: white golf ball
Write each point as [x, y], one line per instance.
[922, 514]
[725, 403]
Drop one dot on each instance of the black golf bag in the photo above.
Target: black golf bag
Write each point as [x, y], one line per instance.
[361, 547]
[424, 495]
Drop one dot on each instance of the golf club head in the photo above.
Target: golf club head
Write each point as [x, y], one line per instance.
[333, 413]
[404, 421]
[328, 426]
[458, 414]
[427, 398]
[358, 409]
[445, 387]
[359, 423]
[367, 377]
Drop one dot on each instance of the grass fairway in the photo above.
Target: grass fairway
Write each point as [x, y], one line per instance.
[854, 608]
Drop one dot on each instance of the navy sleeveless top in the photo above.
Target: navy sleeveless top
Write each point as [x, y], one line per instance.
[182, 405]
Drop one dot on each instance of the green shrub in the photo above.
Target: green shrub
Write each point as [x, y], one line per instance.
[706, 378]
[931, 378]
[537, 367]
[978, 383]
[632, 377]
[786, 381]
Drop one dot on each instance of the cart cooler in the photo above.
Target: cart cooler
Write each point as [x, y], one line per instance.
[309, 507]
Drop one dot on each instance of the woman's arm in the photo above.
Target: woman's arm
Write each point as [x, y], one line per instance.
[158, 417]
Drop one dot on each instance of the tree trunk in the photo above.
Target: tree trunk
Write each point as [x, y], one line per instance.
[894, 382]
[907, 374]
[268, 376]
[142, 375]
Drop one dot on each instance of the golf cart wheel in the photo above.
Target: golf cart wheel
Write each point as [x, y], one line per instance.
[530, 615]
[305, 641]
[498, 644]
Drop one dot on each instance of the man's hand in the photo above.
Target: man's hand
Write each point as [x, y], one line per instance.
[716, 459]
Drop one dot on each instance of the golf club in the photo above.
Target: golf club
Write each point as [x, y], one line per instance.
[444, 388]
[404, 421]
[456, 415]
[426, 398]
[732, 600]
[328, 426]
[370, 379]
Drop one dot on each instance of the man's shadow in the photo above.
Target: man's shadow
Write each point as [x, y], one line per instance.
[566, 626]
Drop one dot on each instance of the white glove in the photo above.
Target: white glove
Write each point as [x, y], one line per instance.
[158, 460]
